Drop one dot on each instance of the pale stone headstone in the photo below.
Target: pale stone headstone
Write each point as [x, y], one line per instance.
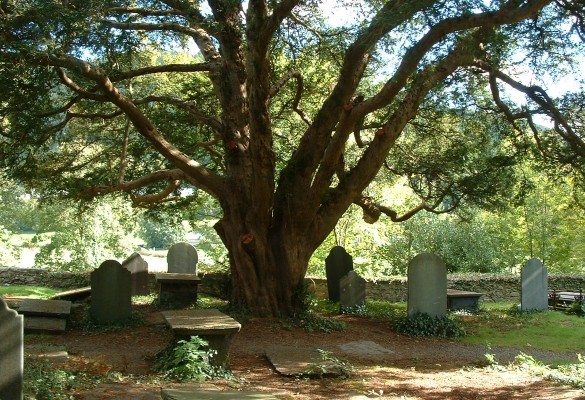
[337, 264]
[352, 291]
[138, 268]
[427, 285]
[111, 297]
[534, 288]
[11, 353]
[182, 259]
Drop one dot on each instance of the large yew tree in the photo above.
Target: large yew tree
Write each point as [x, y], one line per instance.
[282, 114]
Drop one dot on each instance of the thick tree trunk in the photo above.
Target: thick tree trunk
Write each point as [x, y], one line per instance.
[267, 270]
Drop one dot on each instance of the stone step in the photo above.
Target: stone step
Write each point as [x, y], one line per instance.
[45, 308]
[206, 394]
[44, 325]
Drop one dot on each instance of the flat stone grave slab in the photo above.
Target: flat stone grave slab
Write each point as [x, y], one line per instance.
[462, 300]
[301, 361]
[73, 294]
[207, 394]
[44, 325]
[211, 325]
[53, 354]
[366, 349]
[45, 308]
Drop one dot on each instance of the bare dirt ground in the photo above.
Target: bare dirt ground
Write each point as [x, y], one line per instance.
[412, 368]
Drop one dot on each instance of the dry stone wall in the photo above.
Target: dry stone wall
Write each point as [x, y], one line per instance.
[495, 287]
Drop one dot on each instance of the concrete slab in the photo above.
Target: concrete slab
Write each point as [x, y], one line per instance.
[200, 322]
[366, 349]
[45, 308]
[196, 393]
[44, 325]
[299, 361]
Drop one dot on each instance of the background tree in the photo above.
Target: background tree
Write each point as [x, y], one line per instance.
[284, 120]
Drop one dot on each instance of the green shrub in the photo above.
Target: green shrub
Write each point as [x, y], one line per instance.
[312, 322]
[188, 360]
[421, 324]
[41, 381]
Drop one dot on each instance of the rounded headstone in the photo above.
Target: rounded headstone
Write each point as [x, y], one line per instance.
[182, 259]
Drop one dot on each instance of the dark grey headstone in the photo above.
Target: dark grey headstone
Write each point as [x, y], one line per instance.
[534, 293]
[352, 291]
[11, 353]
[337, 264]
[427, 285]
[111, 298]
[182, 259]
[138, 268]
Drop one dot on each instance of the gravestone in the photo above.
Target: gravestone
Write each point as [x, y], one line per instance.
[352, 291]
[138, 268]
[534, 287]
[11, 353]
[111, 299]
[337, 264]
[427, 285]
[182, 259]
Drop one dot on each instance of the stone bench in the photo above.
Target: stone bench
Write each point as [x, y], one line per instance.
[211, 325]
[462, 300]
[176, 289]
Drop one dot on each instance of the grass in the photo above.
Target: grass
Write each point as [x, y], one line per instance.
[35, 292]
[500, 324]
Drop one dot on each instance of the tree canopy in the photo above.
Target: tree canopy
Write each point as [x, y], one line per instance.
[284, 116]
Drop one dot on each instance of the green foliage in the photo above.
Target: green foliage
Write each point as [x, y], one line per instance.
[313, 322]
[188, 360]
[42, 381]
[162, 231]
[566, 374]
[577, 308]
[8, 252]
[503, 324]
[87, 237]
[420, 324]
[35, 292]
[329, 364]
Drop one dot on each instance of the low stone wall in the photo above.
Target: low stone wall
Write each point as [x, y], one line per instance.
[495, 287]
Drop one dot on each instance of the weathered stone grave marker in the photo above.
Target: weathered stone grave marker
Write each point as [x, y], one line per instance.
[427, 285]
[534, 287]
[138, 268]
[45, 316]
[11, 353]
[352, 291]
[182, 259]
[337, 264]
[111, 299]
